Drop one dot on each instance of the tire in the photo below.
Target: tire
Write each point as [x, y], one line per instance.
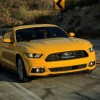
[21, 70]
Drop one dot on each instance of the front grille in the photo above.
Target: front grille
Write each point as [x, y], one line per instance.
[66, 55]
[67, 68]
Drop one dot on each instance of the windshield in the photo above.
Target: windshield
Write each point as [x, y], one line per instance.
[28, 34]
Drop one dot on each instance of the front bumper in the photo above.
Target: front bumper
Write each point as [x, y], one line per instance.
[59, 67]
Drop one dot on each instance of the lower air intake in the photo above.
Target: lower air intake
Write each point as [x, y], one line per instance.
[67, 68]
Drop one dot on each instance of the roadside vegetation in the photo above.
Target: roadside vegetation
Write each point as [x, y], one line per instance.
[22, 12]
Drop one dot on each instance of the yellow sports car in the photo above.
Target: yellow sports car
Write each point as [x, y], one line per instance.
[44, 49]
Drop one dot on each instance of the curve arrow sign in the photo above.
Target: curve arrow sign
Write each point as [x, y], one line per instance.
[59, 5]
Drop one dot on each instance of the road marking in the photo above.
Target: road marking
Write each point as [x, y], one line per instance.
[26, 94]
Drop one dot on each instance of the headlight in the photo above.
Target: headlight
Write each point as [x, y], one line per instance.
[91, 49]
[33, 55]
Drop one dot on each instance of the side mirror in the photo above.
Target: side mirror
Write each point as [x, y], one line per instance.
[72, 34]
[7, 40]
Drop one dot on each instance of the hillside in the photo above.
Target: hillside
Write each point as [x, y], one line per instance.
[79, 16]
[84, 21]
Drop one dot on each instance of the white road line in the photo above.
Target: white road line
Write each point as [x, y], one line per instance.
[26, 94]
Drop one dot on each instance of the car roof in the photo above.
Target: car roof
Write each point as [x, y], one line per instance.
[33, 26]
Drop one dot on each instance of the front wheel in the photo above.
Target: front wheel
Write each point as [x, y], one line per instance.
[21, 70]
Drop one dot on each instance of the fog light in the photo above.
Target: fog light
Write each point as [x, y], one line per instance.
[37, 70]
[92, 63]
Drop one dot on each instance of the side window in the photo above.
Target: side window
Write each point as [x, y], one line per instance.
[9, 35]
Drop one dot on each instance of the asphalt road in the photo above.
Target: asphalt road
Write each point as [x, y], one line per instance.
[76, 86]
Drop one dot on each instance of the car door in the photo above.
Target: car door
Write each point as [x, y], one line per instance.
[8, 51]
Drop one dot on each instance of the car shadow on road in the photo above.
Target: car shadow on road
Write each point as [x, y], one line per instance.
[9, 76]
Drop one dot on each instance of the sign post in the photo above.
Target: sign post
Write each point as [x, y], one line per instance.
[59, 5]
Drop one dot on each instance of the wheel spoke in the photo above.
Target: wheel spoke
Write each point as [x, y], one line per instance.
[20, 69]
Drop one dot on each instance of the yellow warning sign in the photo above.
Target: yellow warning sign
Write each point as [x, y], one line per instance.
[59, 4]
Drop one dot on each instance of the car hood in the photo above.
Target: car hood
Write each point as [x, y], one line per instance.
[55, 45]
